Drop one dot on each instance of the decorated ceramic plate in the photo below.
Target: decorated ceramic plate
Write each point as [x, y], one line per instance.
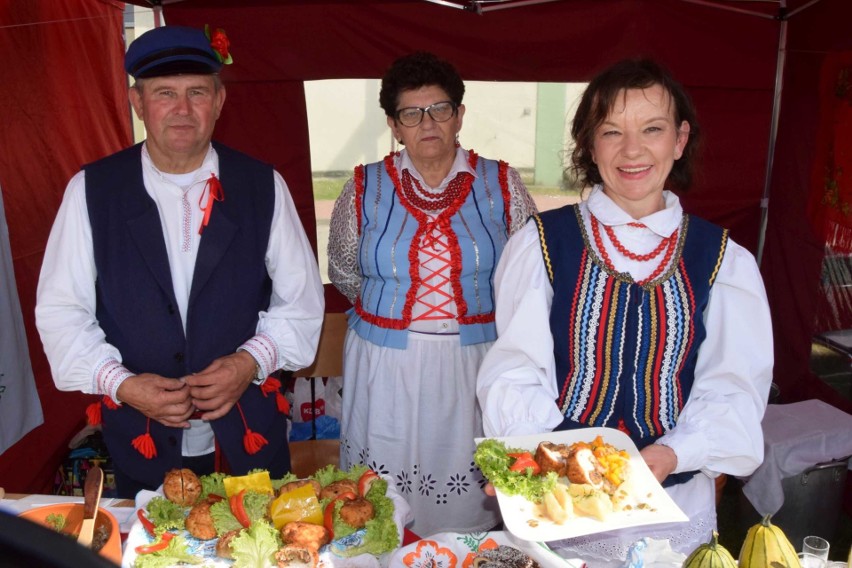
[651, 503]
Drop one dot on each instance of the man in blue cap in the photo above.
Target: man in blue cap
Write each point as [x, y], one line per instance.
[176, 278]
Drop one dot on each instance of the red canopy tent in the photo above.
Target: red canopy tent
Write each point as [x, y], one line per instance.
[725, 52]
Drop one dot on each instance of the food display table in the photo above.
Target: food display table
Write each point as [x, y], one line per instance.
[796, 437]
[122, 509]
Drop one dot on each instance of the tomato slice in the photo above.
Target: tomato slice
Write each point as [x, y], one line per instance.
[155, 546]
[525, 462]
[328, 516]
[149, 526]
[238, 508]
[366, 481]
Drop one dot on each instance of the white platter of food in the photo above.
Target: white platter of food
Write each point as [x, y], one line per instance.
[602, 484]
[282, 528]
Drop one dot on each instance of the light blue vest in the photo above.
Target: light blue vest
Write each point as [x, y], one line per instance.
[388, 244]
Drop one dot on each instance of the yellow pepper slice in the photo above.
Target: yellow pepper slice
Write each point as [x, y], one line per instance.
[300, 504]
[258, 482]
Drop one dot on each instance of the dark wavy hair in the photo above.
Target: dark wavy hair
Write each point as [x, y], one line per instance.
[599, 99]
[417, 70]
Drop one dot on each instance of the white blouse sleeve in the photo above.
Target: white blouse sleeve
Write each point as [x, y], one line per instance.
[719, 429]
[288, 331]
[76, 348]
[343, 244]
[522, 204]
[516, 384]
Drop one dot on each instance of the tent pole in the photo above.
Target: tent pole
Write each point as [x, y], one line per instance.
[773, 131]
[157, 8]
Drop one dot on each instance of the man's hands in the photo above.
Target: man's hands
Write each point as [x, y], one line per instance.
[165, 400]
[216, 389]
[171, 402]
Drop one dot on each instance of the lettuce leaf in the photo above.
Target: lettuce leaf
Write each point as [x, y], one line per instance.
[381, 532]
[223, 519]
[256, 546]
[177, 552]
[492, 457]
[165, 515]
[213, 483]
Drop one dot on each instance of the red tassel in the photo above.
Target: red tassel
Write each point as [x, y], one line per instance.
[93, 414]
[274, 385]
[144, 443]
[270, 385]
[283, 403]
[110, 403]
[253, 442]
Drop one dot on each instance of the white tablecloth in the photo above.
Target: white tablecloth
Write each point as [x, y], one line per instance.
[796, 436]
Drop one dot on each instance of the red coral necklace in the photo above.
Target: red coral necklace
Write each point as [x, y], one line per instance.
[668, 243]
[415, 194]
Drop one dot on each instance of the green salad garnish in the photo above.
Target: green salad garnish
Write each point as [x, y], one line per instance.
[492, 457]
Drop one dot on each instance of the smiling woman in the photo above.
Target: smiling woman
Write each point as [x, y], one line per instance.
[683, 371]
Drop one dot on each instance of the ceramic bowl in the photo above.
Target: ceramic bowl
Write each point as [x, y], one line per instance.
[106, 524]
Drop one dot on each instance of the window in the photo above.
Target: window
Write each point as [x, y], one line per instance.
[524, 124]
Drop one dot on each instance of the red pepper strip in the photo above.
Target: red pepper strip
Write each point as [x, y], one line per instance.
[149, 526]
[239, 510]
[523, 463]
[155, 546]
[328, 516]
[517, 455]
[366, 481]
[214, 498]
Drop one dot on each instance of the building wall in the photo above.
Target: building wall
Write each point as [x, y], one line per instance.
[347, 126]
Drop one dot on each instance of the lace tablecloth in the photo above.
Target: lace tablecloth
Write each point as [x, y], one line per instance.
[796, 436]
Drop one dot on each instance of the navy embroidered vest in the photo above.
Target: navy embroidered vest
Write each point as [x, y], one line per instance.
[137, 311]
[625, 353]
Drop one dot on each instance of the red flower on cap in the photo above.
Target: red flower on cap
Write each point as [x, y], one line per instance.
[220, 44]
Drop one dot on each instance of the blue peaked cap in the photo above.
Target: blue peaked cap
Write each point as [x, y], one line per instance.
[171, 50]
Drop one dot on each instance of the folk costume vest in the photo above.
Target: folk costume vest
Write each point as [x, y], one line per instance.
[137, 310]
[391, 233]
[625, 353]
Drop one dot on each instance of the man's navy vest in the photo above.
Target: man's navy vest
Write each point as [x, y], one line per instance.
[137, 311]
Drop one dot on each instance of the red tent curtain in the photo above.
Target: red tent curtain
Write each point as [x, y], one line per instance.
[64, 98]
[792, 262]
[830, 205]
[277, 45]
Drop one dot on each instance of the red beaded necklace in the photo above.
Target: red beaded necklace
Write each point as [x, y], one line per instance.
[457, 188]
[668, 243]
[630, 254]
[460, 186]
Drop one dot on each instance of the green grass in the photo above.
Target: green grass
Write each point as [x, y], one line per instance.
[327, 188]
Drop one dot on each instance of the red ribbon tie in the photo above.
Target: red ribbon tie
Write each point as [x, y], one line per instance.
[213, 191]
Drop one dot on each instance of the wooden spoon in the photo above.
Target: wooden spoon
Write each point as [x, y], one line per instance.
[91, 499]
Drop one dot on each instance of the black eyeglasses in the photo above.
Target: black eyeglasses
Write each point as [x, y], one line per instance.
[440, 112]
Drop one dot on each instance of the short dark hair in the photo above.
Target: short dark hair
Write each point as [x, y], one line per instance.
[599, 99]
[417, 70]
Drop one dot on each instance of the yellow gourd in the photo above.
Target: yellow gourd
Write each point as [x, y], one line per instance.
[766, 546]
[710, 555]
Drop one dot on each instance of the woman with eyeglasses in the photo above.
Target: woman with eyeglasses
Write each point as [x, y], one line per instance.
[414, 240]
